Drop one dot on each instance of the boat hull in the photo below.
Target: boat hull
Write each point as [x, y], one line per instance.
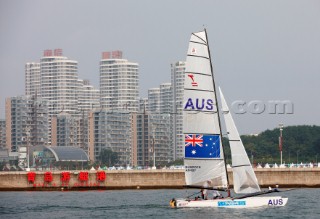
[252, 202]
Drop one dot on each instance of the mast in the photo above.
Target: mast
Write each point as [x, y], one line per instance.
[216, 99]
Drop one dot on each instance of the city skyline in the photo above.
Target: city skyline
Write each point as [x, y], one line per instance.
[54, 111]
[261, 51]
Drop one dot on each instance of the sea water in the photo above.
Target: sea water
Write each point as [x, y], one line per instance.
[303, 203]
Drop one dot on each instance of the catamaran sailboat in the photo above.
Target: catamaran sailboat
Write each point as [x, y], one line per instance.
[205, 166]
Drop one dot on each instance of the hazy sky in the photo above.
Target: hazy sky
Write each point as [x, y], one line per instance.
[262, 50]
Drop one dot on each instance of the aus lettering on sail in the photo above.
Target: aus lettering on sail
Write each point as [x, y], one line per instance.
[203, 104]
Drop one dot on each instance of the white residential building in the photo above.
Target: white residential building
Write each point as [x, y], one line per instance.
[59, 84]
[143, 104]
[119, 82]
[88, 96]
[154, 100]
[166, 98]
[32, 78]
[177, 81]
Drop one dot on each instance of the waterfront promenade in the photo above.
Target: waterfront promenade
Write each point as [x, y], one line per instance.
[142, 179]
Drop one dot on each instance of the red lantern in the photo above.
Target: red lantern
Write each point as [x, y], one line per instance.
[65, 177]
[101, 176]
[83, 176]
[31, 177]
[48, 177]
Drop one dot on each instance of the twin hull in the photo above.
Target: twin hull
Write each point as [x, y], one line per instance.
[252, 202]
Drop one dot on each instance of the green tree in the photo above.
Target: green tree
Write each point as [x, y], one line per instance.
[177, 162]
[108, 157]
[299, 142]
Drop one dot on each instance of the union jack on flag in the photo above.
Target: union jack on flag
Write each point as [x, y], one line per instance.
[193, 140]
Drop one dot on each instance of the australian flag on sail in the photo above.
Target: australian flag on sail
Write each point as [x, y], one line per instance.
[202, 146]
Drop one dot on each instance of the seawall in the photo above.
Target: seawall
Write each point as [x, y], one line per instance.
[142, 179]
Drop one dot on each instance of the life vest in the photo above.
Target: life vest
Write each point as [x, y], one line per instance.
[173, 203]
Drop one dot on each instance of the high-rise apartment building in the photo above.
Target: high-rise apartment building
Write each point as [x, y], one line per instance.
[32, 79]
[166, 102]
[143, 140]
[68, 130]
[154, 139]
[88, 96]
[119, 82]
[154, 127]
[26, 122]
[166, 98]
[2, 133]
[160, 99]
[161, 144]
[112, 130]
[59, 83]
[154, 100]
[177, 81]
[143, 105]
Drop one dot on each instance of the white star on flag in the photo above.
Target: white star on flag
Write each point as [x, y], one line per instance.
[193, 152]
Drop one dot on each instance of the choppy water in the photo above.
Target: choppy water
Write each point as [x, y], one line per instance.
[303, 203]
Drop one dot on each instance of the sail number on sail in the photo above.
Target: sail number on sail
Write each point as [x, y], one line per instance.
[199, 104]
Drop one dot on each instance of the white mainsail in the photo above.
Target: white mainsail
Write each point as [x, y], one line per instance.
[244, 178]
[204, 159]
